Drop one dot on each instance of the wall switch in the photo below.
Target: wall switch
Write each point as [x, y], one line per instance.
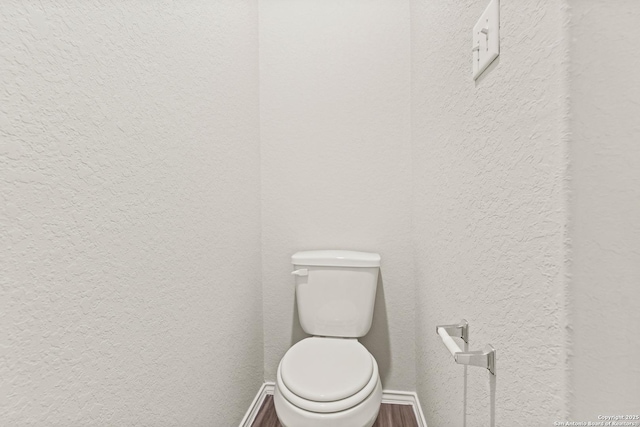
[486, 38]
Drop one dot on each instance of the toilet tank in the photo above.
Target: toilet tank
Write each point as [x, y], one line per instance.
[336, 291]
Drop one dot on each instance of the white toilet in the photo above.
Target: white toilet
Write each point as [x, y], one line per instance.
[330, 379]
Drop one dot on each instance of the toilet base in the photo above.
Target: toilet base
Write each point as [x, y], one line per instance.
[362, 415]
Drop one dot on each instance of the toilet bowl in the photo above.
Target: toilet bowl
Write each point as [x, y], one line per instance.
[324, 381]
[330, 379]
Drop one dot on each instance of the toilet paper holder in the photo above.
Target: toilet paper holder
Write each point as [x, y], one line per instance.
[485, 358]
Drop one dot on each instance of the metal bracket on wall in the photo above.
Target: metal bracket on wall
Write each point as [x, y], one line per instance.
[459, 330]
[485, 358]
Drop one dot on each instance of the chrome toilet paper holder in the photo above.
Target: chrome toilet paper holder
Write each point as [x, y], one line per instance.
[485, 358]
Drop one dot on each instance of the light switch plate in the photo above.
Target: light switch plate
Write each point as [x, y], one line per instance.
[486, 38]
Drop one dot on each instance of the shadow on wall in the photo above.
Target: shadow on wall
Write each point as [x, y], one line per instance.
[297, 333]
[492, 397]
[492, 388]
[377, 340]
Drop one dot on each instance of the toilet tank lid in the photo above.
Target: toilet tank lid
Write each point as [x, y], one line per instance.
[336, 258]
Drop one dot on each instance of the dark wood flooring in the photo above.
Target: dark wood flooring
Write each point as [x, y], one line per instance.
[389, 416]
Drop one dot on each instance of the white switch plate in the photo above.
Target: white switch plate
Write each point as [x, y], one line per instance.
[486, 38]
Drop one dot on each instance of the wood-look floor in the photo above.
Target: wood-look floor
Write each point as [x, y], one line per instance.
[389, 416]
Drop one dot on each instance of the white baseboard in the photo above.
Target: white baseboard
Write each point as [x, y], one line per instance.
[393, 397]
[266, 389]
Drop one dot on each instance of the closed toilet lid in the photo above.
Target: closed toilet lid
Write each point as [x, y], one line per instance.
[326, 369]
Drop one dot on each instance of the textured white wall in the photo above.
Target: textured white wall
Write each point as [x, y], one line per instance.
[335, 150]
[489, 215]
[605, 208]
[129, 213]
[130, 186]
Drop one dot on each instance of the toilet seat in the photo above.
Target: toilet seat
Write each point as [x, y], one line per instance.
[326, 375]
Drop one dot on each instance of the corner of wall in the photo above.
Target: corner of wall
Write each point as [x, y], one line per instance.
[566, 135]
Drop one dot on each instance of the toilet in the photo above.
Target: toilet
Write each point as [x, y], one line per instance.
[330, 379]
